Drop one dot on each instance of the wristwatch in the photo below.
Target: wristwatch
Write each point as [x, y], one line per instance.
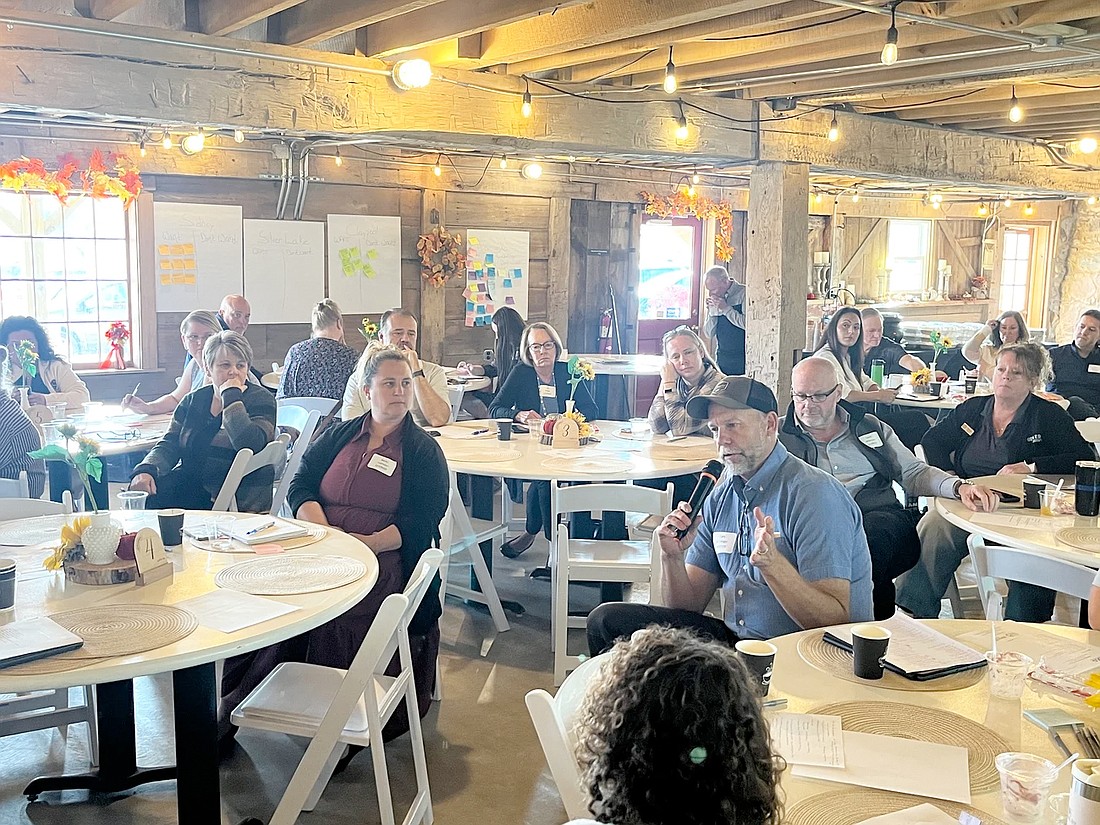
[418, 374]
[958, 486]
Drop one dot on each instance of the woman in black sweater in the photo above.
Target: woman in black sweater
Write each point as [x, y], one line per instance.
[1011, 431]
[383, 480]
[188, 466]
[535, 388]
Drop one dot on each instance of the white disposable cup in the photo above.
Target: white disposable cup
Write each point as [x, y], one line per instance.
[93, 410]
[1008, 672]
[1025, 785]
[639, 426]
[132, 499]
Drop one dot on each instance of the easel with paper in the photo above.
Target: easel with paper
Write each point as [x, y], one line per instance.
[199, 254]
[498, 263]
[364, 262]
[284, 269]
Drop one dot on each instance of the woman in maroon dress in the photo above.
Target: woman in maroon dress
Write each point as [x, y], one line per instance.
[383, 480]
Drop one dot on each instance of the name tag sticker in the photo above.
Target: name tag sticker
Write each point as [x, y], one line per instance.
[384, 465]
[724, 542]
[1094, 367]
[547, 391]
[966, 428]
[871, 439]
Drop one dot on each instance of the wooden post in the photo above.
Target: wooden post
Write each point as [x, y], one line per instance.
[431, 297]
[558, 277]
[778, 256]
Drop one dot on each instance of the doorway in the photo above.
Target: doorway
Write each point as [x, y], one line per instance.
[670, 259]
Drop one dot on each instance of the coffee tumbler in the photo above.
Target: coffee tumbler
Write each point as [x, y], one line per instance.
[1088, 488]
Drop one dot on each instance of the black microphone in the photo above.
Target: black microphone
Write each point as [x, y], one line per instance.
[708, 477]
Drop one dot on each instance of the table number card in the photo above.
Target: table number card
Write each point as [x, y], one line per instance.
[567, 433]
[152, 564]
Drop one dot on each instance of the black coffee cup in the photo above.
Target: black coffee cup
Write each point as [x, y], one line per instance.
[7, 584]
[504, 429]
[1032, 488]
[171, 527]
[970, 385]
[935, 388]
[869, 643]
[759, 658]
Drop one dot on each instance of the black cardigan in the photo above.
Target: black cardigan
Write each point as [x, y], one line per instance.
[425, 491]
[1045, 435]
[249, 420]
[521, 392]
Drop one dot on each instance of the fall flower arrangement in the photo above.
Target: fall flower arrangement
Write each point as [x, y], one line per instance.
[685, 203]
[921, 377]
[116, 334]
[85, 461]
[441, 255]
[940, 343]
[579, 370]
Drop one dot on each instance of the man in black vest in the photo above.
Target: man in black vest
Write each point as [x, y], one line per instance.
[865, 455]
[725, 321]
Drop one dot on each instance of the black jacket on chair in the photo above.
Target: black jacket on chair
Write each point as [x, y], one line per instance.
[521, 392]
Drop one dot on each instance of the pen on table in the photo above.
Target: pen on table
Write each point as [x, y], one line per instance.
[775, 703]
[255, 530]
[137, 387]
[479, 432]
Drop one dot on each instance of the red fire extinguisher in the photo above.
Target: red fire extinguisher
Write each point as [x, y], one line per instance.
[604, 344]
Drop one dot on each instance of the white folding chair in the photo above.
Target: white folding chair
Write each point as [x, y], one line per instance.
[310, 402]
[594, 560]
[305, 422]
[554, 719]
[336, 708]
[15, 487]
[464, 538]
[44, 709]
[455, 393]
[992, 561]
[245, 462]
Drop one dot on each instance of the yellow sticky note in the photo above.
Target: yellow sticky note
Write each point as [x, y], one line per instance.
[471, 239]
[177, 249]
[189, 263]
[164, 249]
[165, 278]
[165, 263]
[187, 278]
[188, 249]
[177, 264]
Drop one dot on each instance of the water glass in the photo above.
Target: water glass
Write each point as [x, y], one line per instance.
[219, 534]
[1025, 785]
[132, 499]
[57, 410]
[639, 427]
[93, 410]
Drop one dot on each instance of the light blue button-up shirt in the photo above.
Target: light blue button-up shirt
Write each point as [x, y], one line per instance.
[821, 536]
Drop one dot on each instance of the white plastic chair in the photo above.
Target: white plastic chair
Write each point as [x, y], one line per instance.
[44, 709]
[336, 708]
[992, 561]
[15, 487]
[245, 462]
[463, 534]
[305, 422]
[594, 560]
[554, 719]
[310, 402]
[455, 394]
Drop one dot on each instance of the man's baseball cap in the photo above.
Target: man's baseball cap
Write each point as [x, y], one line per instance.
[735, 393]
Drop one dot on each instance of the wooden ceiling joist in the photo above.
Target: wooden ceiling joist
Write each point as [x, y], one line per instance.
[316, 20]
[104, 9]
[220, 17]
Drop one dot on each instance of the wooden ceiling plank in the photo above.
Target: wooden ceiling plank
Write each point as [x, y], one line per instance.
[219, 17]
[316, 20]
[448, 19]
[999, 105]
[104, 9]
[1054, 11]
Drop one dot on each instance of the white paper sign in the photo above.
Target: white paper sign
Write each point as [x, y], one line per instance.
[199, 255]
[231, 610]
[364, 262]
[808, 739]
[284, 269]
[926, 814]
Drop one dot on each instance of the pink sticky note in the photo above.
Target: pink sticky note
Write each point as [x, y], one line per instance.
[268, 549]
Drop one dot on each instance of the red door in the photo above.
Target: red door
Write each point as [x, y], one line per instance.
[670, 259]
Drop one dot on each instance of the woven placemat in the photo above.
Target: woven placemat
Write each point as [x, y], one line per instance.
[819, 654]
[483, 453]
[316, 533]
[32, 531]
[926, 725]
[853, 806]
[595, 464]
[125, 629]
[1083, 538]
[288, 575]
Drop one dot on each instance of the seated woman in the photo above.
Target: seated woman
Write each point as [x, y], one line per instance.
[982, 349]
[188, 466]
[688, 371]
[671, 732]
[18, 436]
[55, 381]
[1011, 431]
[507, 326]
[383, 480]
[537, 387]
[195, 331]
[321, 366]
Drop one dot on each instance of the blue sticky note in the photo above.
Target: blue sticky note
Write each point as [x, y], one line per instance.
[481, 309]
[517, 273]
[491, 271]
[469, 306]
[488, 257]
[507, 283]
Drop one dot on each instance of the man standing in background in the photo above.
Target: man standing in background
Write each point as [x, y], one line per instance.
[725, 321]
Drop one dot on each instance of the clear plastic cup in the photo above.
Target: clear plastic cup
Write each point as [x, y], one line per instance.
[93, 410]
[639, 427]
[1025, 785]
[218, 532]
[58, 410]
[1055, 502]
[1008, 672]
[132, 499]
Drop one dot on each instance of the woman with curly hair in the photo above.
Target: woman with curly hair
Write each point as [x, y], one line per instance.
[672, 733]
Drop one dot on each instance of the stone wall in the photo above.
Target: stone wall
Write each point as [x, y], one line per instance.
[1080, 288]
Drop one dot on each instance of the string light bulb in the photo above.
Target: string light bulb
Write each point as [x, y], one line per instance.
[193, 143]
[526, 107]
[983, 210]
[338, 160]
[694, 176]
[1087, 145]
[1015, 110]
[437, 169]
[1007, 202]
[855, 196]
[1091, 200]
[817, 197]
[1029, 210]
[670, 83]
[889, 54]
[936, 198]
[166, 141]
[141, 147]
[411, 74]
[531, 171]
[503, 161]
[238, 136]
[834, 130]
[682, 127]
[691, 190]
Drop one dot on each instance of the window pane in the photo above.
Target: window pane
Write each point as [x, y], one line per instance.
[667, 264]
[15, 258]
[49, 301]
[16, 298]
[80, 259]
[79, 219]
[110, 218]
[58, 339]
[15, 214]
[83, 301]
[114, 303]
[49, 258]
[83, 341]
[110, 260]
[907, 254]
[46, 219]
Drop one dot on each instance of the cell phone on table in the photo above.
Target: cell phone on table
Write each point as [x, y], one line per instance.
[520, 428]
[1007, 498]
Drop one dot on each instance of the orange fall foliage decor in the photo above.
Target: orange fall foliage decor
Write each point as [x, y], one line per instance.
[96, 178]
[680, 204]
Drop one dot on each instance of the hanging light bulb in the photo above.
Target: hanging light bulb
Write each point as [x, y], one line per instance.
[141, 147]
[193, 143]
[855, 196]
[682, 127]
[670, 74]
[935, 198]
[983, 210]
[339, 160]
[1029, 210]
[834, 130]
[238, 136]
[1091, 200]
[437, 169]
[1086, 145]
[817, 197]
[934, 204]
[694, 176]
[1008, 202]
[503, 161]
[531, 171]
[1015, 110]
[411, 74]
[526, 107]
[889, 54]
[691, 190]
[166, 141]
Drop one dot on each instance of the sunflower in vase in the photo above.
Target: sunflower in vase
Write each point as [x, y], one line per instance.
[921, 377]
[70, 547]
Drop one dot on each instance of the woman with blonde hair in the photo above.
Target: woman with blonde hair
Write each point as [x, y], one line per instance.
[319, 367]
[195, 330]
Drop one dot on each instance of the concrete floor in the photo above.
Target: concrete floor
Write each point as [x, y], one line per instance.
[484, 760]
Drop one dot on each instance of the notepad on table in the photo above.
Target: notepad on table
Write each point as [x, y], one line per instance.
[30, 639]
[260, 529]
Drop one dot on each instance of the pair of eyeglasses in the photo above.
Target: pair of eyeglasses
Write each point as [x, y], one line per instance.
[541, 347]
[816, 397]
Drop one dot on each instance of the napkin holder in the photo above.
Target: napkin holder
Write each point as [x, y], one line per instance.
[152, 563]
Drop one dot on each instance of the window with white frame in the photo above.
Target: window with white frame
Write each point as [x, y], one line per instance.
[1016, 268]
[907, 250]
[70, 267]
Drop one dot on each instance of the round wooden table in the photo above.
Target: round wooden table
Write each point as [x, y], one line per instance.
[190, 660]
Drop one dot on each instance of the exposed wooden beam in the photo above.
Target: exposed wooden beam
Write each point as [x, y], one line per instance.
[998, 105]
[450, 18]
[221, 17]
[1054, 11]
[978, 100]
[315, 20]
[104, 9]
